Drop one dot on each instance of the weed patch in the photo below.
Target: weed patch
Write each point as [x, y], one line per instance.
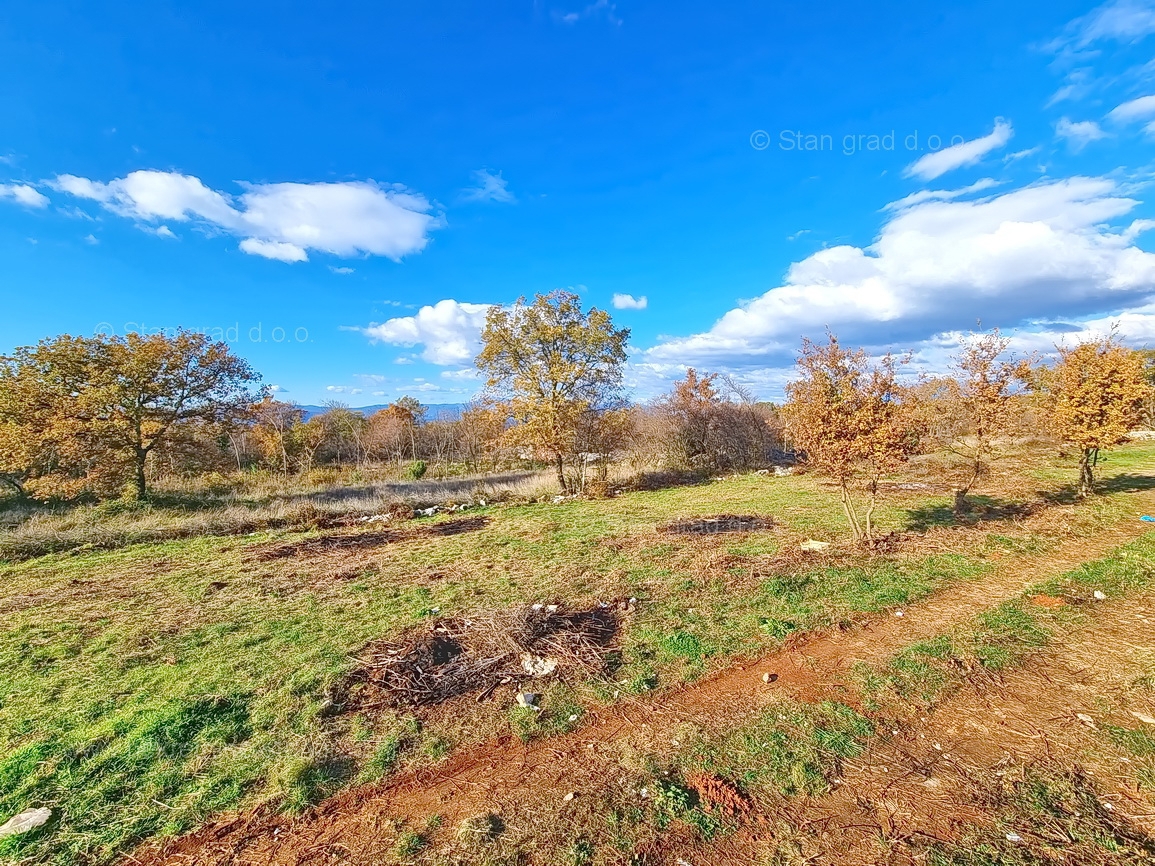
[1045, 814]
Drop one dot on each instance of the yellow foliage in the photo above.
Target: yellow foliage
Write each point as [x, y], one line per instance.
[850, 419]
[1094, 398]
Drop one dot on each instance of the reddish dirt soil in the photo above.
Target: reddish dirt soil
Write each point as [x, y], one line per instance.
[918, 786]
[502, 777]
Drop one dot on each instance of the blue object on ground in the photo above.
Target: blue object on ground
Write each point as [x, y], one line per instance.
[1148, 518]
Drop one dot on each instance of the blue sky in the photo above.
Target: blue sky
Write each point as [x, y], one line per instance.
[341, 190]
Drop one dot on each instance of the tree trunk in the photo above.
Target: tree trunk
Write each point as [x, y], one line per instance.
[961, 505]
[848, 507]
[560, 466]
[141, 482]
[1087, 471]
[14, 484]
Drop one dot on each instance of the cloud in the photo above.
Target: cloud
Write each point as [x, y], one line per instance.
[277, 250]
[466, 374]
[489, 187]
[448, 331]
[1022, 154]
[1078, 84]
[941, 194]
[629, 302]
[1078, 134]
[798, 234]
[342, 389]
[22, 193]
[597, 9]
[281, 221]
[91, 239]
[1126, 21]
[1135, 109]
[1043, 249]
[278, 389]
[939, 162]
[342, 271]
[163, 232]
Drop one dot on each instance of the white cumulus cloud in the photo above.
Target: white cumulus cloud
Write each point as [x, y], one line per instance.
[1044, 249]
[281, 221]
[22, 193]
[449, 331]
[629, 302]
[966, 153]
[278, 250]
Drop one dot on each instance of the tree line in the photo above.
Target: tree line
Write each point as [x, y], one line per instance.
[100, 416]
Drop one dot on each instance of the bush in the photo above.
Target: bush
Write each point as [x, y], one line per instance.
[416, 470]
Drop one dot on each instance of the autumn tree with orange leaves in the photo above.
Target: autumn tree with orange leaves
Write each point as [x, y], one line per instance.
[848, 417]
[558, 370]
[979, 409]
[1094, 398]
[81, 414]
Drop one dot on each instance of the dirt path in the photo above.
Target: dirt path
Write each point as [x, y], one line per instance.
[359, 823]
[920, 785]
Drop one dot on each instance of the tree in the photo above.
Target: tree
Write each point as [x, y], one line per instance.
[978, 408]
[554, 364]
[273, 426]
[479, 431]
[1094, 398]
[1148, 356]
[703, 427]
[307, 439]
[46, 449]
[346, 430]
[393, 429]
[98, 407]
[849, 419]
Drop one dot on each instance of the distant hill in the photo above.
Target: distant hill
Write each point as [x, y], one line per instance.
[433, 411]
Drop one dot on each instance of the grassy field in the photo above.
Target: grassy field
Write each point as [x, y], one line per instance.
[153, 680]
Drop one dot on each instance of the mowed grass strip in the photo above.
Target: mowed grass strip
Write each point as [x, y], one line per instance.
[148, 687]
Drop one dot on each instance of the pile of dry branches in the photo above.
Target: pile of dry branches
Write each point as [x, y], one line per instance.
[458, 656]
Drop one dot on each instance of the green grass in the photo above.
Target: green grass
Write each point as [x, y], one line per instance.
[149, 686]
[789, 748]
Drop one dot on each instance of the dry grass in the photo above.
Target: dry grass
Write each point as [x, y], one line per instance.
[261, 503]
